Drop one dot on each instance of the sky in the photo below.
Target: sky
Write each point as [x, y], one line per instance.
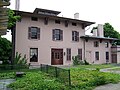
[99, 11]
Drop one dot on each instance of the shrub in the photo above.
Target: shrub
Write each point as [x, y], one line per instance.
[37, 81]
[76, 60]
[19, 60]
[86, 63]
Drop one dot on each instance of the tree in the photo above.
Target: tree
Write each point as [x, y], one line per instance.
[109, 31]
[12, 18]
[5, 50]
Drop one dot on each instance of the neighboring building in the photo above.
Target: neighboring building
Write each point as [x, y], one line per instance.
[46, 38]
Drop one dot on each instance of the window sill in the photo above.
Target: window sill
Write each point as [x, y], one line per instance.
[34, 39]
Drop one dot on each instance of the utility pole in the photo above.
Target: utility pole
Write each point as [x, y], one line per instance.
[3, 16]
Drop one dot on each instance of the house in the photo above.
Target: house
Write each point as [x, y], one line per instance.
[46, 38]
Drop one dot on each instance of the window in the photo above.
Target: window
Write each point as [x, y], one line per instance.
[75, 36]
[68, 54]
[106, 44]
[57, 34]
[34, 33]
[96, 44]
[57, 21]
[107, 56]
[74, 24]
[34, 18]
[66, 23]
[80, 54]
[96, 55]
[33, 54]
[46, 21]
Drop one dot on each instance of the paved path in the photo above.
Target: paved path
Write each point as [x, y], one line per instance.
[109, 86]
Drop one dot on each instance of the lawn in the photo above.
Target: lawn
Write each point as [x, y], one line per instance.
[94, 66]
[81, 79]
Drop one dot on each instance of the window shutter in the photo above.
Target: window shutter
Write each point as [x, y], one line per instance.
[77, 36]
[29, 32]
[72, 35]
[61, 34]
[38, 33]
[53, 34]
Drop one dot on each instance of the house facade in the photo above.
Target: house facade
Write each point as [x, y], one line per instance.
[46, 38]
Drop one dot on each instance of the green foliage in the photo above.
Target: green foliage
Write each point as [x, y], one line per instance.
[37, 81]
[76, 60]
[86, 63]
[87, 79]
[5, 50]
[19, 60]
[12, 18]
[7, 75]
[109, 31]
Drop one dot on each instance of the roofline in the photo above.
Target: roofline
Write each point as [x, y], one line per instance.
[105, 38]
[86, 23]
[37, 9]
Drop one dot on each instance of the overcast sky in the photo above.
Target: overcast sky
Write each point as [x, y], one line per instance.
[99, 11]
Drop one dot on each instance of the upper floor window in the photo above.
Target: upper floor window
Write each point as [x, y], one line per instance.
[57, 34]
[57, 21]
[68, 54]
[96, 55]
[46, 21]
[34, 18]
[34, 33]
[96, 44]
[75, 36]
[106, 44]
[74, 24]
[33, 54]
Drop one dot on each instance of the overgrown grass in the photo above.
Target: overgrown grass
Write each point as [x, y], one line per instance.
[81, 79]
[87, 79]
[37, 81]
[94, 66]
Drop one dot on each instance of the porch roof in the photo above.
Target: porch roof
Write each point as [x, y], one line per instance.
[101, 38]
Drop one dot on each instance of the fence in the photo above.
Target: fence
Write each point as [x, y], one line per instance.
[13, 67]
[62, 75]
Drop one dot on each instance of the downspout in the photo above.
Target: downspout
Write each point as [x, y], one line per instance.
[84, 47]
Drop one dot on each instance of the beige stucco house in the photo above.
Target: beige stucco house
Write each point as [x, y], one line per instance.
[46, 38]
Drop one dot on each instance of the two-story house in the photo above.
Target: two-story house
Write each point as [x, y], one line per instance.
[46, 38]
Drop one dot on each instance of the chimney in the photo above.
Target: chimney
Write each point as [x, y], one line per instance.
[95, 32]
[100, 30]
[17, 5]
[76, 16]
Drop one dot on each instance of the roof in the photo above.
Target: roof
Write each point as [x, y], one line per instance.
[37, 10]
[85, 23]
[93, 37]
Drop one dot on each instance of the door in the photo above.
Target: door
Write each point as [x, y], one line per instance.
[114, 58]
[56, 56]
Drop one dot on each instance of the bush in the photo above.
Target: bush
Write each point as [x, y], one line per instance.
[37, 81]
[86, 63]
[76, 60]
